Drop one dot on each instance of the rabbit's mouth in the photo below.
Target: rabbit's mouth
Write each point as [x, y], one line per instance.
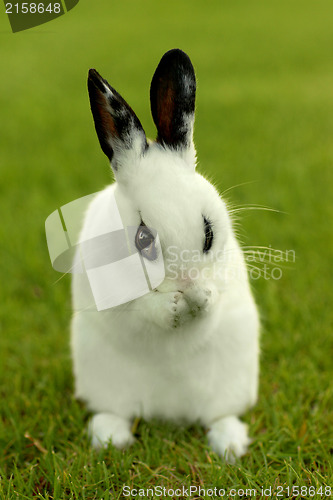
[175, 285]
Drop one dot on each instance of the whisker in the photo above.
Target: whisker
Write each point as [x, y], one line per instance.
[61, 277]
[261, 247]
[237, 185]
[66, 272]
[260, 271]
[243, 208]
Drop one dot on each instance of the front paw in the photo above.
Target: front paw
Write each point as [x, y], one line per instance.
[176, 309]
[199, 299]
[167, 310]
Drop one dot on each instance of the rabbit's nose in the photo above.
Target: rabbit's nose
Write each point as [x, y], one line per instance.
[184, 282]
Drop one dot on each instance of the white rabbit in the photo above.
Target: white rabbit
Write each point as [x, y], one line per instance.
[188, 350]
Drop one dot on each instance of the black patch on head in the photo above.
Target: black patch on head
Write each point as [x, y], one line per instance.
[114, 119]
[172, 99]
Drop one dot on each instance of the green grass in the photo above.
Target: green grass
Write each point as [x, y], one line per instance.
[264, 114]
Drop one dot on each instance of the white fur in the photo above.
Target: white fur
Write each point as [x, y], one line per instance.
[187, 352]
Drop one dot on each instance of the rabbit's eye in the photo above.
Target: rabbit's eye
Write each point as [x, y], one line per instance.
[209, 235]
[145, 242]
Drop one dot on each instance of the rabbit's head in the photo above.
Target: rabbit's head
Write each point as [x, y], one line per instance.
[157, 187]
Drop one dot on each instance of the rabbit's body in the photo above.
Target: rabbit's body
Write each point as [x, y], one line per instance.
[188, 350]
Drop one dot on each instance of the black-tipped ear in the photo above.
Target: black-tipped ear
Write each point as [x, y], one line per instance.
[172, 99]
[116, 124]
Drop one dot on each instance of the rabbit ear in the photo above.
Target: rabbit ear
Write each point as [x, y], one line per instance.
[117, 126]
[172, 99]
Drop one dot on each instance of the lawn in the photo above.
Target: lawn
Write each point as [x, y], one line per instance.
[264, 135]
